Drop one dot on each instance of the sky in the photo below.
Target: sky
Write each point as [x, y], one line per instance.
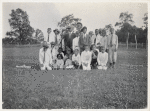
[93, 14]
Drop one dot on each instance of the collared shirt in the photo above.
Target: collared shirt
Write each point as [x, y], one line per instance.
[93, 39]
[97, 39]
[102, 58]
[75, 42]
[86, 57]
[112, 39]
[45, 58]
[76, 58]
[104, 42]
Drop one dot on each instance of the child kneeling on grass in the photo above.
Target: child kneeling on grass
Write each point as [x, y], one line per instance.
[102, 59]
[86, 57]
[76, 59]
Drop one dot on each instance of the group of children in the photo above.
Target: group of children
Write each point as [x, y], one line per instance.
[90, 58]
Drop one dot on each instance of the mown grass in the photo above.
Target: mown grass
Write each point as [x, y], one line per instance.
[120, 88]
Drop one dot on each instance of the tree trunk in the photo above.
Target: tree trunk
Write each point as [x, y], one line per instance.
[127, 40]
[136, 41]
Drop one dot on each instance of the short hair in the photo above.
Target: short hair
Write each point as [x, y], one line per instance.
[60, 48]
[79, 23]
[60, 56]
[83, 28]
[96, 29]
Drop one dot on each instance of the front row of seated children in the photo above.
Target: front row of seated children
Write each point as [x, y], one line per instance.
[89, 59]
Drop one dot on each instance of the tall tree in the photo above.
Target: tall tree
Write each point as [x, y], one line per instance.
[135, 32]
[20, 25]
[145, 19]
[68, 20]
[39, 35]
[125, 22]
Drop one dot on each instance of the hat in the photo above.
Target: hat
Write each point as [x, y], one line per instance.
[56, 30]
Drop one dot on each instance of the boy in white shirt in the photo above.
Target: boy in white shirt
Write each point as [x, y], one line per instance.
[102, 59]
[76, 41]
[76, 59]
[45, 57]
[86, 57]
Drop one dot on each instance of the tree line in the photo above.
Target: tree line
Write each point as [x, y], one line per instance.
[22, 32]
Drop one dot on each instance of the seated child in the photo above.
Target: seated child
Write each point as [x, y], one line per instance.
[68, 64]
[59, 61]
[54, 64]
[68, 54]
[86, 57]
[60, 51]
[94, 56]
[76, 60]
[102, 59]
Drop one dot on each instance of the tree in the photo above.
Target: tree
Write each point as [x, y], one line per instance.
[135, 32]
[125, 23]
[20, 25]
[68, 20]
[145, 19]
[39, 35]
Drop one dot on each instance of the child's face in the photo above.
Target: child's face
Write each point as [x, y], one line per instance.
[94, 47]
[76, 52]
[103, 50]
[87, 48]
[59, 57]
[68, 52]
[59, 50]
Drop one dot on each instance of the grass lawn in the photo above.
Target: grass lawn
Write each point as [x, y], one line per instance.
[122, 87]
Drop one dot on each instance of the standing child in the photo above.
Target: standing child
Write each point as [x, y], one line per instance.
[59, 61]
[76, 59]
[86, 57]
[94, 56]
[102, 59]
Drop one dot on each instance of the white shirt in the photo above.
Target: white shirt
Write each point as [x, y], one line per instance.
[102, 58]
[114, 41]
[60, 63]
[93, 38]
[98, 39]
[48, 56]
[54, 52]
[86, 57]
[76, 58]
[104, 42]
[75, 42]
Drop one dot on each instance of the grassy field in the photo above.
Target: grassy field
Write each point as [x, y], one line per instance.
[123, 87]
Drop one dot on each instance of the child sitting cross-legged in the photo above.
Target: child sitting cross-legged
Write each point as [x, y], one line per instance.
[102, 59]
[76, 60]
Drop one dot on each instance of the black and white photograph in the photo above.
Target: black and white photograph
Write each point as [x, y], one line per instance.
[75, 55]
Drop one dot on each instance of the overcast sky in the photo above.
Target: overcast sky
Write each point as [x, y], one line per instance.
[93, 15]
